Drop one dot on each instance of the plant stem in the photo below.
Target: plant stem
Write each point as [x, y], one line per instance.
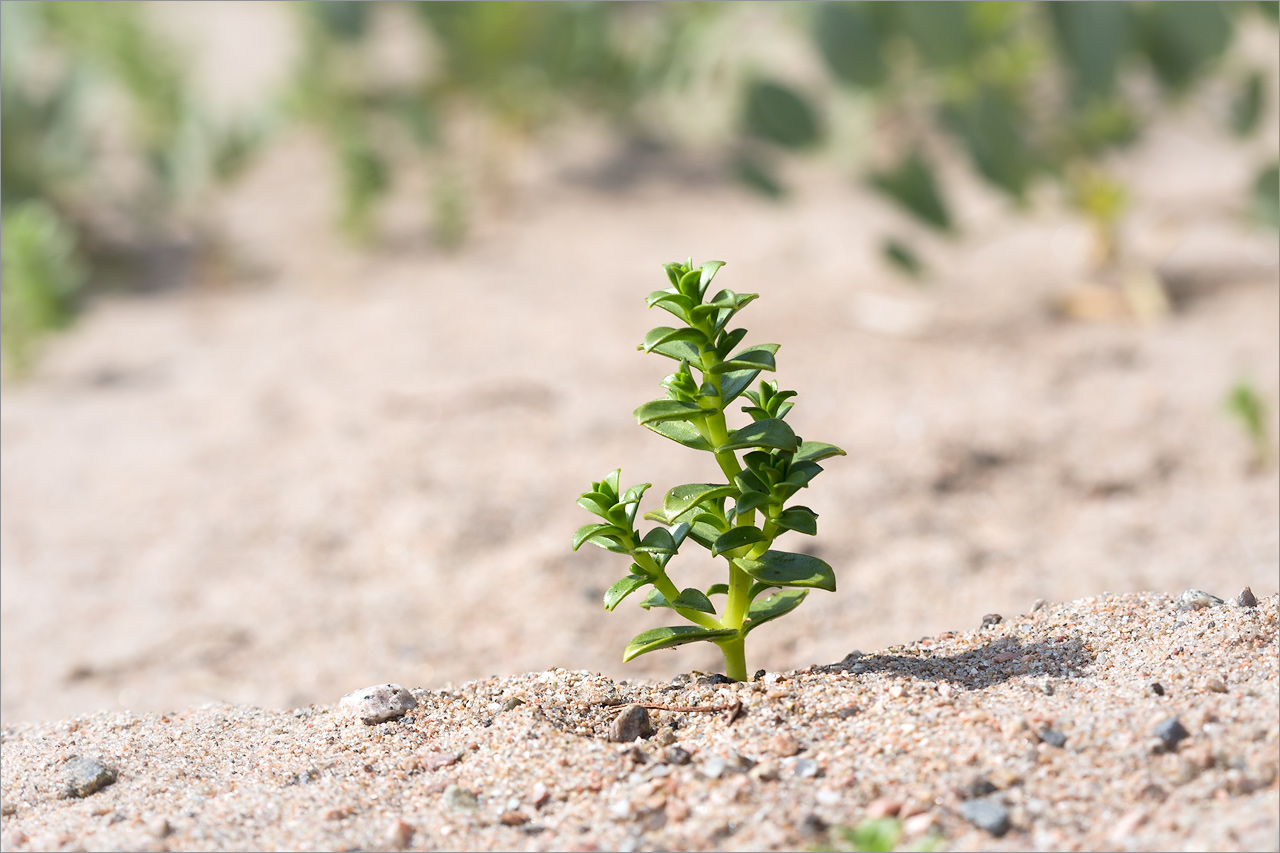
[735, 658]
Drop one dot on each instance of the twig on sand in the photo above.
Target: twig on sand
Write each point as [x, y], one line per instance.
[732, 710]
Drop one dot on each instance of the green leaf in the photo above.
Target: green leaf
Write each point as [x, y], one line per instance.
[666, 334]
[622, 589]
[734, 383]
[850, 42]
[676, 303]
[753, 358]
[779, 114]
[610, 482]
[680, 431]
[1181, 39]
[798, 518]
[666, 410]
[658, 541]
[633, 494]
[770, 432]
[596, 503]
[752, 501]
[767, 609]
[913, 186]
[729, 340]
[587, 531]
[693, 599]
[1246, 107]
[707, 272]
[674, 271]
[994, 128]
[814, 451]
[782, 568]
[902, 256]
[736, 538]
[655, 598]
[679, 351]
[1093, 38]
[683, 498]
[718, 589]
[704, 532]
[666, 638]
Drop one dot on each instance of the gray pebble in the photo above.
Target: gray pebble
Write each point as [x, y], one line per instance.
[1196, 599]
[458, 797]
[991, 619]
[379, 704]
[1171, 732]
[677, 755]
[986, 815]
[1246, 598]
[1053, 737]
[630, 724]
[86, 776]
[714, 767]
[806, 768]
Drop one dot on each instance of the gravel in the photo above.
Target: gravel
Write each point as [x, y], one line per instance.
[941, 719]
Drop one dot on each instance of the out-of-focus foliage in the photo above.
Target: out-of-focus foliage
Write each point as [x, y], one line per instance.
[41, 278]
[1266, 196]
[1246, 405]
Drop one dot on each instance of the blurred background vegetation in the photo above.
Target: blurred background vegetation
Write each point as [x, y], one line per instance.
[109, 156]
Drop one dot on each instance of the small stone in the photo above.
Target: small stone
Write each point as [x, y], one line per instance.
[806, 768]
[765, 771]
[621, 809]
[160, 828]
[1037, 605]
[512, 704]
[400, 834]
[827, 797]
[676, 755]
[883, 807]
[85, 776]
[986, 815]
[7, 809]
[513, 818]
[631, 724]
[714, 767]
[1217, 686]
[991, 619]
[784, 744]
[848, 711]
[435, 760]
[538, 795]
[1197, 599]
[1246, 598]
[760, 673]
[665, 736]
[378, 704]
[1157, 688]
[919, 824]
[1126, 826]
[1171, 732]
[1053, 737]
[978, 786]
[458, 797]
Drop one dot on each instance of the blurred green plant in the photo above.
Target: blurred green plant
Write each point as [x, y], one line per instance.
[41, 279]
[877, 835]
[1246, 405]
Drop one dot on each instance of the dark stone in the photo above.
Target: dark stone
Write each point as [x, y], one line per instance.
[986, 815]
[991, 619]
[631, 723]
[1171, 732]
[86, 776]
[1053, 737]
[1157, 688]
[1246, 598]
[759, 675]
[978, 786]
[677, 755]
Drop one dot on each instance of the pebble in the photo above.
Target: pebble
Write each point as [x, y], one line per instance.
[400, 834]
[986, 815]
[458, 797]
[1171, 732]
[784, 744]
[379, 703]
[538, 795]
[1053, 737]
[883, 807]
[919, 824]
[1246, 598]
[1157, 688]
[631, 724]
[806, 768]
[714, 767]
[677, 755]
[160, 827]
[86, 776]
[1197, 599]
[991, 619]
[435, 760]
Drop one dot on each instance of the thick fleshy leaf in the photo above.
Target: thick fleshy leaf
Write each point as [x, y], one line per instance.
[587, 531]
[655, 598]
[679, 350]
[609, 485]
[736, 538]
[633, 494]
[767, 609]
[666, 334]
[752, 501]
[689, 284]
[704, 533]
[681, 498]
[814, 451]
[734, 383]
[728, 340]
[596, 503]
[707, 272]
[782, 568]
[770, 432]
[676, 303]
[622, 589]
[666, 638]
[658, 541]
[718, 589]
[693, 599]
[798, 518]
[753, 358]
[777, 113]
[674, 270]
[680, 431]
[666, 410]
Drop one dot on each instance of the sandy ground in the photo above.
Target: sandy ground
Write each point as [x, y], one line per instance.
[1113, 723]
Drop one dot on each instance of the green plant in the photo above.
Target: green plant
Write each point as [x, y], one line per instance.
[721, 517]
[878, 835]
[41, 278]
[1247, 406]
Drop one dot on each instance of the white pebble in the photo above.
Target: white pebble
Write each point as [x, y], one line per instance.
[378, 704]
